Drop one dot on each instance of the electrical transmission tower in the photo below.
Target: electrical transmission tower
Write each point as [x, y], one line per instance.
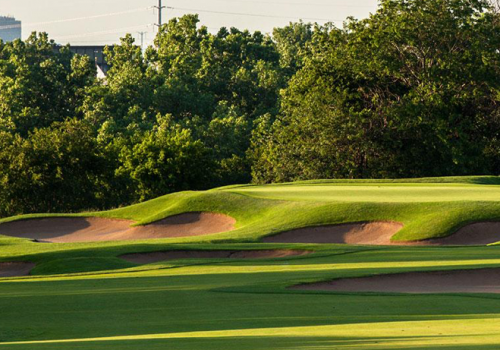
[160, 8]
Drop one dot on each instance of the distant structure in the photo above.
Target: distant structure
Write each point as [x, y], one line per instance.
[96, 54]
[10, 29]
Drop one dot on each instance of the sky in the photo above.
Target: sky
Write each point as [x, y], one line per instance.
[88, 22]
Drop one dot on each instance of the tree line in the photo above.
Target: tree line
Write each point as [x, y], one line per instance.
[413, 90]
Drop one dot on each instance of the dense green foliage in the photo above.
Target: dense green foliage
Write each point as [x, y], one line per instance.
[410, 91]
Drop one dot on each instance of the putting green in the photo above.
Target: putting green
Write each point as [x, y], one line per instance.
[83, 296]
[376, 193]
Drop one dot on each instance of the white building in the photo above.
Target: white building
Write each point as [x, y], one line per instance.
[10, 29]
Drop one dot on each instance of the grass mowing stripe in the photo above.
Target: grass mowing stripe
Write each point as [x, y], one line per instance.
[459, 332]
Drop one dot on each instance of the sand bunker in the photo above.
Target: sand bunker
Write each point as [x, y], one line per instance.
[480, 233]
[458, 281]
[380, 233]
[149, 258]
[69, 230]
[370, 233]
[15, 269]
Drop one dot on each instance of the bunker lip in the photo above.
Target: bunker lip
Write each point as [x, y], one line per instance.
[15, 269]
[368, 233]
[381, 233]
[478, 233]
[153, 257]
[451, 281]
[93, 229]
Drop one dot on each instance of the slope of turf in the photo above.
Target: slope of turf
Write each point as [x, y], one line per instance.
[83, 296]
[427, 210]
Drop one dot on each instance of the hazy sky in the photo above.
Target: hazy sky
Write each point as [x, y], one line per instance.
[104, 21]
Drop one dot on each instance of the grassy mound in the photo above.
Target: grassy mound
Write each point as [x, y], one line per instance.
[428, 208]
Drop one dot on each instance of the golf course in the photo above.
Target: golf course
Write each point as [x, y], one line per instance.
[365, 264]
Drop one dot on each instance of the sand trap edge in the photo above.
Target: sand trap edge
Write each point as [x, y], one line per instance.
[16, 269]
[78, 229]
[478, 233]
[381, 233]
[355, 233]
[461, 281]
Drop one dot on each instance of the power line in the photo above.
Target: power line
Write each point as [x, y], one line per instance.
[120, 30]
[252, 14]
[75, 19]
[293, 3]
[160, 7]
[94, 42]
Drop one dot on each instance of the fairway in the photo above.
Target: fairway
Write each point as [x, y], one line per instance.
[240, 290]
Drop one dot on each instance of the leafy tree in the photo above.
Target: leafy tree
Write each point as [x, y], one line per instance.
[127, 94]
[292, 44]
[410, 91]
[199, 70]
[52, 169]
[227, 136]
[40, 85]
[167, 159]
[213, 85]
[242, 69]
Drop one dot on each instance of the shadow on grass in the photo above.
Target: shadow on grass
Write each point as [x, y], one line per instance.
[93, 259]
[272, 343]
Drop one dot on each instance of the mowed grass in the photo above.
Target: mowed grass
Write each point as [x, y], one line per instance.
[376, 193]
[83, 296]
[245, 305]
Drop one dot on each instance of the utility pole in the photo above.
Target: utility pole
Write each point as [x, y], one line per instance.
[160, 8]
[142, 34]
